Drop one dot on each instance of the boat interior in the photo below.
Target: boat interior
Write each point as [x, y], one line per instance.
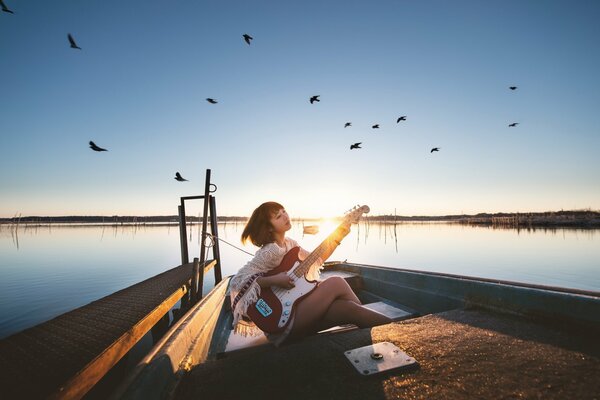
[455, 332]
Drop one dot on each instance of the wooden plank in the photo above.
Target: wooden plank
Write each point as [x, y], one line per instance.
[209, 265]
[84, 380]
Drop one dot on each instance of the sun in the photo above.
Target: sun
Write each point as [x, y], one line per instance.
[327, 225]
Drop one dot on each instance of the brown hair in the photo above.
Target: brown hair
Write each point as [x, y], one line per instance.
[258, 228]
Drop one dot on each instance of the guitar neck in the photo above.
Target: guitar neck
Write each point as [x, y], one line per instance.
[333, 240]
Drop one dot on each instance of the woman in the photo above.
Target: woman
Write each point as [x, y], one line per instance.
[331, 303]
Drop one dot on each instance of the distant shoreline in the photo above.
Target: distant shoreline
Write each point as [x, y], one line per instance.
[550, 219]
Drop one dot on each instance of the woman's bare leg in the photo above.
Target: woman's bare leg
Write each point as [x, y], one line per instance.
[332, 303]
[342, 312]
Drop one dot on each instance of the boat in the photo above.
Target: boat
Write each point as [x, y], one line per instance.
[452, 336]
[310, 229]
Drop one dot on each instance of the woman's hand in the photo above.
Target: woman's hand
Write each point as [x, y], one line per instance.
[281, 280]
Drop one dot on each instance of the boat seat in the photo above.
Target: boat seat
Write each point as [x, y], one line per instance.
[237, 343]
[392, 310]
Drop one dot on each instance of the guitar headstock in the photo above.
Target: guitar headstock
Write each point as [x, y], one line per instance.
[355, 213]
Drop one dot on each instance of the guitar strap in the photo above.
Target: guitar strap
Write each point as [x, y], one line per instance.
[245, 288]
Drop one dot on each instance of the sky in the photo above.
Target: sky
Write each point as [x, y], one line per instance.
[138, 87]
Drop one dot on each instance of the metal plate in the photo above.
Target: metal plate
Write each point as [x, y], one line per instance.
[379, 357]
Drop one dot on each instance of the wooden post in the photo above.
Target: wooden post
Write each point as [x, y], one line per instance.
[182, 235]
[205, 217]
[215, 233]
[195, 279]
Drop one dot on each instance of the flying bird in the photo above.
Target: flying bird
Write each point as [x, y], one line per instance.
[376, 126]
[96, 148]
[512, 87]
[314, 98]
[247, 38]
[347, 124]
[356, 146]
[72, 41]
[435, 149]
[402, 118]
[179, 178]
[513, 124]
[4, 8]
[211, 101]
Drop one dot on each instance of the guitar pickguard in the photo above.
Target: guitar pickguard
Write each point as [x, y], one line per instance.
[288, 297]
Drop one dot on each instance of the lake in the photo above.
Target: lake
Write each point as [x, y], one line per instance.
[51, 269]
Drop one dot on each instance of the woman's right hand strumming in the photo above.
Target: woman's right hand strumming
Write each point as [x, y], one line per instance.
[281, 280]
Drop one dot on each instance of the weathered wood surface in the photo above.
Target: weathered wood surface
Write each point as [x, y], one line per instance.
[66, 356]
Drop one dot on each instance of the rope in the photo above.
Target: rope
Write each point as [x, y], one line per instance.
[212, 243]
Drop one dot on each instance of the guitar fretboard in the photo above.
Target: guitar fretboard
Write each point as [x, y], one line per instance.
[332, 240]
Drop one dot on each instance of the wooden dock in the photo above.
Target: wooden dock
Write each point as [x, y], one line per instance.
[66, 356]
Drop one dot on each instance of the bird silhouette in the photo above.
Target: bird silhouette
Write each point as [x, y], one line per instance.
[356, 146]
[247, 38]
[512, 87]
[314, 98]
[96, 148]
[402, 118]
[72, 41]
[347, 124]
[513, 124]
[4, 8]
[435, 149]
[211, 101]
[179, 178]
[376, 126]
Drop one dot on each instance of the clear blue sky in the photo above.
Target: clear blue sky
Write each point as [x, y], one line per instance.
[139, 85]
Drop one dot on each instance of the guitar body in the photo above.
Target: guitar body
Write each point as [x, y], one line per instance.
[276, 306]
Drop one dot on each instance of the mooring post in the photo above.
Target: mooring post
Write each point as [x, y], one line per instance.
[213, 226]
[182, 235]
[195, 279]
[205, 217]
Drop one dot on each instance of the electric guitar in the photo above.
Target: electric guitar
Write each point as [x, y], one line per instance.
[276, 305]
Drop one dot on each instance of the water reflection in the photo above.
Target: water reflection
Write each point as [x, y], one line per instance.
[46, 270]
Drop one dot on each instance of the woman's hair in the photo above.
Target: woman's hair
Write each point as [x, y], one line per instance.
[258, 228]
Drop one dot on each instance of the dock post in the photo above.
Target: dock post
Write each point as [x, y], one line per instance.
[205, 217]
[215, 233]
[195, 279]
[182, 235]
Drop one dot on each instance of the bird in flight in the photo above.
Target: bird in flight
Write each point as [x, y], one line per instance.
[512, 87]
[376, 126]
[179, 178]
[314, 98]
[211, 101]
[356, 146]
[96, 148]
[347, 124]
[402, 118]
[247, 38]
[4, 8]
[513, 124]
[435, 149]
[72, 41]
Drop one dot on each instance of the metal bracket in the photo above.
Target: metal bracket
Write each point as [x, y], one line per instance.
[379, 357]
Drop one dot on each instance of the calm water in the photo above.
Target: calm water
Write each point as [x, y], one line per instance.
[46, 271]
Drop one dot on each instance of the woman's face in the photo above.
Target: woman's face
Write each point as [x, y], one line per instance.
[280, 221]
